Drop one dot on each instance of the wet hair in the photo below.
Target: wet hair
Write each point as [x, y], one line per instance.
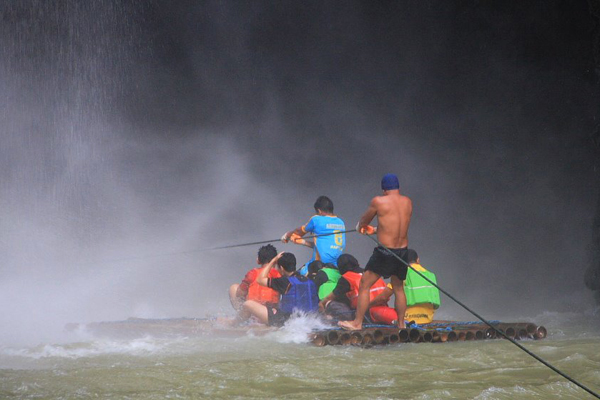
[411, 256]
[315, 267]
[266, 254]
[287, 262]
[324, 203]
[347, 262]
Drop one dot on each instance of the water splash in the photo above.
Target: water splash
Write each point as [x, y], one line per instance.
[298, 328]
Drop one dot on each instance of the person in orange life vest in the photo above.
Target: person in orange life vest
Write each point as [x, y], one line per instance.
[423, 299]
[249, 289]
[342, 301]
[298, 293]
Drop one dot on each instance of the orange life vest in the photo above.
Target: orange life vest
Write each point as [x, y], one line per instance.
[263, 294]
[383, 315]
[353, 279]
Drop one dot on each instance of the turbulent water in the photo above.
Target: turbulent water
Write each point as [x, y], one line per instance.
[282, 365]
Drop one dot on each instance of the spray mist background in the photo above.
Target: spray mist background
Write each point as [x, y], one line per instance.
[135, 130]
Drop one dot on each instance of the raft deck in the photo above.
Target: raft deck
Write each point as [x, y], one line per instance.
[438, 331]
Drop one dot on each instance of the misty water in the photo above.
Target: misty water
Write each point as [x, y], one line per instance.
[282, 364]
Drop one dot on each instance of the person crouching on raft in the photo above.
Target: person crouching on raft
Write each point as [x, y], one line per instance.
[249, 289]
[422, 298]
[298, 293]
[325, 276]
[393, 212]
[342, 301]
[327, 248]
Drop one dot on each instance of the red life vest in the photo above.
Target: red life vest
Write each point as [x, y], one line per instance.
[260, 293]
[353, 279]
[383, 315]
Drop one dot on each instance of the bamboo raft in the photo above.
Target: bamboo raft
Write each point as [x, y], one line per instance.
[371, 335]
[436, 332]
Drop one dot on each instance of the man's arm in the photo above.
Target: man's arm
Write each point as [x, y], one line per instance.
[339, 293]
[325, 300]
[297, 239]
[242, 290]
[300, 231]
[368, 216]
[263, 275]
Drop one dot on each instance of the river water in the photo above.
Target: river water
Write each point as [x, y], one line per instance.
[282, 364]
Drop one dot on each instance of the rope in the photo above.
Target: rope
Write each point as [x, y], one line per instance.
[490, 325]
[276, 240]
[135, 258]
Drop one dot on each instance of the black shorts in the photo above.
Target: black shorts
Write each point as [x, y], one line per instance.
[385, 264]
[276, 316]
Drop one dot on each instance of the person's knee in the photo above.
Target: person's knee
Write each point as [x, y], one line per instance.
[247, 305]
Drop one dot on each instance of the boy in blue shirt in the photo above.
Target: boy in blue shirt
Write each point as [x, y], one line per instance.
[328, 248]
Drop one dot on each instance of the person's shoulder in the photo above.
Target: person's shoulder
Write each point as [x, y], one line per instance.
[376, 200]
[321, 272]
[418, 267]
[312, 220]
[281, 280]
[337, 217]
[252, 273]
[273, 273]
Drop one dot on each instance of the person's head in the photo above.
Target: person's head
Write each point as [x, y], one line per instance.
[287, 263]
[346, 262]
[314, 267]
[390, 182]
[266, 254]
[412, 256]
[324, 204]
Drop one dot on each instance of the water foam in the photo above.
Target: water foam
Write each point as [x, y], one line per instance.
[298, 328]
[145, 346]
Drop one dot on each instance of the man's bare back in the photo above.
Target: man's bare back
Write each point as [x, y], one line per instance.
[393, 212]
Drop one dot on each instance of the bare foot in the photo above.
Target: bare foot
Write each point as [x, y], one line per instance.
[350, 325]
[401, 325]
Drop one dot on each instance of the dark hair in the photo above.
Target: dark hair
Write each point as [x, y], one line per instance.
[347, 262]
[315, 267]
[266, 254]
[287, 261]
[411, 256]
[324, 203]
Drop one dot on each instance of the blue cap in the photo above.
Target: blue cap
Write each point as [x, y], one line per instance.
[390, 182]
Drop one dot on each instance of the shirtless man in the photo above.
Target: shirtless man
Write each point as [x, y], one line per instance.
[393, 212]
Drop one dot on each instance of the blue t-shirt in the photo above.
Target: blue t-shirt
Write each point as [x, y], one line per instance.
[327, 248]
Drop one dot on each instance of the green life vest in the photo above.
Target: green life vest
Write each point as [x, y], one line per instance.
[333, 276]
[418, 290]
